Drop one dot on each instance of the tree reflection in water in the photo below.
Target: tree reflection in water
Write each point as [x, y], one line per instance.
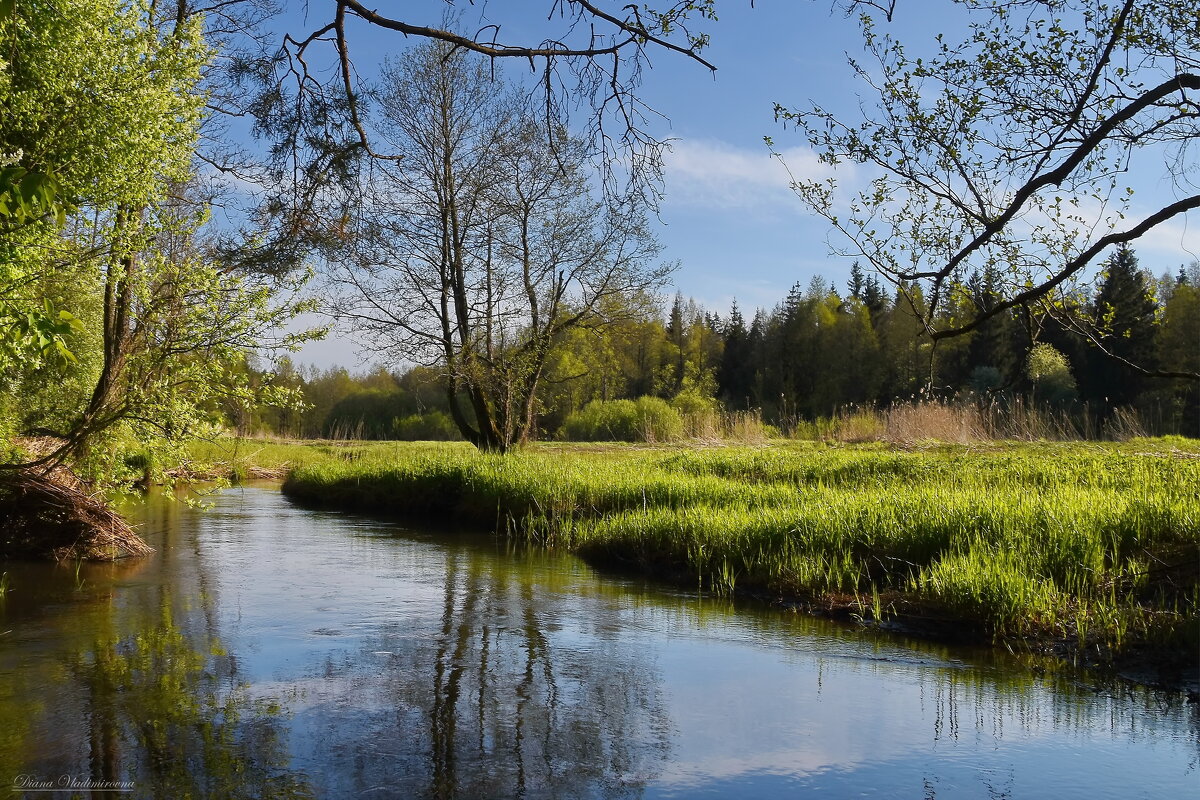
[505, 695]
[117, 676]
[368, 660]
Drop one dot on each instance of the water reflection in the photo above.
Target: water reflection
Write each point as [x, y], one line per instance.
[114, 676]
[495, 697]
[269, 651]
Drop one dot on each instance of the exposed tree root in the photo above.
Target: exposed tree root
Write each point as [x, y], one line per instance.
[51, 516]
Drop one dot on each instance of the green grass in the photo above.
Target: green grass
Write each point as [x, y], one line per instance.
[240, 459]
[1096, 544]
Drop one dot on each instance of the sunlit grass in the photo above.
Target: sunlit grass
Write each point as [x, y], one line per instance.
[1083, 542]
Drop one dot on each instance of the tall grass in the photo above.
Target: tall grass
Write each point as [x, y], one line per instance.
[1092, 543]
[965, 422]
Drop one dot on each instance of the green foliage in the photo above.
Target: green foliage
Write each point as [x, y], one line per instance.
[1178, 351]
[124, 333]
[365, 414]
[432, 426]
[1001, 150]
[1124, 316]
[31, 196]
[985, 379]
[100, 94]
[647, 419]
[36, 335]
[1050, 374]
[691, 400]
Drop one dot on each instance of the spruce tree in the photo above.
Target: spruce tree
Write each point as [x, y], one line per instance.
[858, 283]
[1124, 316]
[735, 378]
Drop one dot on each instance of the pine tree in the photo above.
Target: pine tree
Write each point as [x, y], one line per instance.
[1124, 316]
[857, 284]
[676, 332]
[735, 377]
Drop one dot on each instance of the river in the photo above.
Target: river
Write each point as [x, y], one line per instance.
[267, 650]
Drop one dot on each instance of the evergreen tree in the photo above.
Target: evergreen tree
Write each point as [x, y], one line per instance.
[857, 284]
[735, 378]
[874, 297]
[676, 333]
[1124, 316]
[996, 343]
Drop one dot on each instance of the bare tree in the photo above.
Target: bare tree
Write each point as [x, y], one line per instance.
[483, 243]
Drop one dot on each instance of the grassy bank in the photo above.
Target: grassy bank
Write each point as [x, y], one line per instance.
[1096, 545]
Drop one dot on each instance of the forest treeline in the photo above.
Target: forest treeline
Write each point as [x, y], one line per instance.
[821, 350]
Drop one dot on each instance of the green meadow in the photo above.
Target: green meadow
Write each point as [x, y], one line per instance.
[1090, 547]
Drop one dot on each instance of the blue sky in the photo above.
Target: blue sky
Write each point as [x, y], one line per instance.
[728, 216]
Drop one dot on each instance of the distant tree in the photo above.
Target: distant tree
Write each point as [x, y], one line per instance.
[874, 297]
[1123, 317]
[848, 358]
[323, 390]
[995, 342]
[857, 284]
[677, 336]
[905, 351]
[1050, 375]
[735, 378]
[1178, 347]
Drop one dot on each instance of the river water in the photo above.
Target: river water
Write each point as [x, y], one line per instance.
[271, 651]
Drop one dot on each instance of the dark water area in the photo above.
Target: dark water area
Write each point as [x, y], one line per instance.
[268, 651]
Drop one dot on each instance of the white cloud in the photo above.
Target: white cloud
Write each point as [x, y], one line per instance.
[1177, 240]
[715, 174]
[1174, 242]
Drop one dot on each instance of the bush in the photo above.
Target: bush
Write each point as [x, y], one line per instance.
[701, 414]
[433, 426]
[647, 419]
[691, 400]
[657, 421]
[1050, 374]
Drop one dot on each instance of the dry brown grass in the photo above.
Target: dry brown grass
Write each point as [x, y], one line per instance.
[715, 426]
[958, 424]
[966, 422]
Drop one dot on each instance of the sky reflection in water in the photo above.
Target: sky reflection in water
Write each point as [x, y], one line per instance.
[271, 651]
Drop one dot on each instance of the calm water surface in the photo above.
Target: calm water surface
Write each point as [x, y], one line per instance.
[271, 651]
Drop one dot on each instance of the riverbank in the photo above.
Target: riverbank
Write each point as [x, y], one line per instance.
[1088, 550]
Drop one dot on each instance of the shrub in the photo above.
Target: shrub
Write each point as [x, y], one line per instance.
[433, 426]
[657, 421]
[647, 419]
[1050, 375]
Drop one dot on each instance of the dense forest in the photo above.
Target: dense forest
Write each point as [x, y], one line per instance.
[823, 349]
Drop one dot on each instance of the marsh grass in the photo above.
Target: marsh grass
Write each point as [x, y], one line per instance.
[240, 459]
[1093, 544]
[968, 422]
